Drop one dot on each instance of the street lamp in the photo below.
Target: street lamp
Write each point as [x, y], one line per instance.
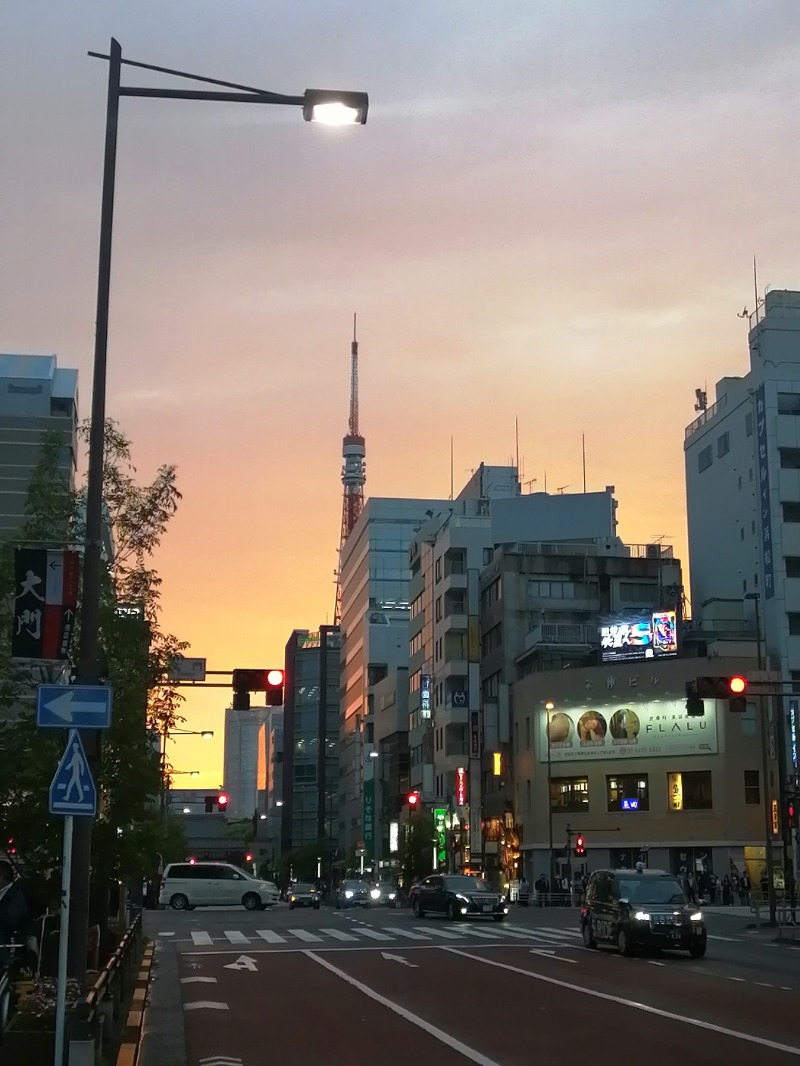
[549, 708]
[318, 105]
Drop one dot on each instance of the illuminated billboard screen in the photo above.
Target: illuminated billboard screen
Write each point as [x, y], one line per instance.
[638, 635]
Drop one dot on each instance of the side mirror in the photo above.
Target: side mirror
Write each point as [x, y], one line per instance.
[625, 901]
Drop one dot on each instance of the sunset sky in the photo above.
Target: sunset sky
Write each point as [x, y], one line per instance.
[551, 214]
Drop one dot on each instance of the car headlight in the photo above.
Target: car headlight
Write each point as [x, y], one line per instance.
[698, 917]
[642, 916]
[291, 899]
[392, 895]
[374, 893]
[348, 894]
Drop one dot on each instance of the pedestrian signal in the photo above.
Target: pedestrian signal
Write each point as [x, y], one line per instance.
[580, 845]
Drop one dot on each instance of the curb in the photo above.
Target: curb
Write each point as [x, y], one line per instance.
[128, 1054]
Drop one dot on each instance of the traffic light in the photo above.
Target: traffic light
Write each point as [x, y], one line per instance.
[222, 800]
[733, 689]
[248, 857]
[413, 801]
[11, 849]
[275, 679]
[792, 813]
[580, 846]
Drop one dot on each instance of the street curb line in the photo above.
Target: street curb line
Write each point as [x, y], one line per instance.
[128, 1054]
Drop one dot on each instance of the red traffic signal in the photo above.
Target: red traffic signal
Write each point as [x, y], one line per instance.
[275, 682]
[222, 800]
[792, 819]
[248, 857]
[413, 800]
[580, 845]
[737, 685]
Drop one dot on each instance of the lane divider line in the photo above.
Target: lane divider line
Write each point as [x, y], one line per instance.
[432, 1030]
[607, 997]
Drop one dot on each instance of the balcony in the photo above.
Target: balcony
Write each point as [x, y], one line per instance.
[787, 431]
[791, 593]
[790, 539]
[789, 486]
[561, 635]
[455, 623]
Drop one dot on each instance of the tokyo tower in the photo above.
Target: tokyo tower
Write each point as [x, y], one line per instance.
[353, 472]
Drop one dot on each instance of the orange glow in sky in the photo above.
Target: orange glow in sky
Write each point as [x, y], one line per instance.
[551, 215]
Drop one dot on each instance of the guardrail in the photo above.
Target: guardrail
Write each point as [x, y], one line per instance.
[93, 1018]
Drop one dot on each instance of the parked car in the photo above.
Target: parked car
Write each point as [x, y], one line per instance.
[352, 894]
[641, 908]
[458, 896]
[383, 893]
[303, 896]
[186, 885]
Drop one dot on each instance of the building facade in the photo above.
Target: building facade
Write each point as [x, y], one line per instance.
[241, 758]
[374, 627]
[36, 397]
[742, 458]
[311, 742]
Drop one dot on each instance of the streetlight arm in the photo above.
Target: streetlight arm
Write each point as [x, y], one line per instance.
[199, 94]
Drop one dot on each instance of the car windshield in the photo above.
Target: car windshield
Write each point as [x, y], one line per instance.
[466, 884]
[303, 888]
[651, 890]
[352, 885]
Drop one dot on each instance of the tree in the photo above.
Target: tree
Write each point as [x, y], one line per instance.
[137, 654]
[416, 847]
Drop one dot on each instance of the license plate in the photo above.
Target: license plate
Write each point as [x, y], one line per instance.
[487, 906]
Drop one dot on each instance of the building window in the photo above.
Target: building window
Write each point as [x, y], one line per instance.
[528, 792]
[438, 570]
[792, 565]
[704, 459]
[791, 512]
[790, 458]
[630, 592]
[488, 555]
[527, 734]
[438, 614]
[492, 639]
[748, 424]
[788, 403]
[689, 791]
[562, 589]
[569, 795]
[794, 623]
[723, 444]
[627, 792]
[741, 533]
[752, 790]
[491, 687]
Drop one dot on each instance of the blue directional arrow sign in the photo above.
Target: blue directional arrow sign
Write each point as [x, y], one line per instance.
[73, 707]
[72, 790]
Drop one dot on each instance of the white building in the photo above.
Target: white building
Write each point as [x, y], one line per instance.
[743, 497]
[243, 733]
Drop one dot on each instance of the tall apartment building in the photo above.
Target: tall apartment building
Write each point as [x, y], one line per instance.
[543, 607]
[311, 742]
[36, 396]
[446, 559]
[374, 632]
[243, 735]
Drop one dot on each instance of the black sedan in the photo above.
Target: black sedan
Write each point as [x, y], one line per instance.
[303, 896]
[458, 896]
[352, 894]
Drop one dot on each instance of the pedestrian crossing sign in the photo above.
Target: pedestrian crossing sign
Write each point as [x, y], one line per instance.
[72, 790]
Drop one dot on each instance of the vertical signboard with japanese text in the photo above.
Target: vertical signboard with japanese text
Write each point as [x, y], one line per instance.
[45, 598]
[762, 457]
[461, 787]
[425, 702]
[369, 817]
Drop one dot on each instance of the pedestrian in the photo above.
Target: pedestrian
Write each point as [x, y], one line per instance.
[691, 888]
[13, 905]
[744, 889]
[540, 884]
[726, 891]
[524, 891]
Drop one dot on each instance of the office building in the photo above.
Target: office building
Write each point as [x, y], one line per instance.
[742, 457]
[36, 397]
[243, 732]
[311, 743]
[374, 632]
[388, 765]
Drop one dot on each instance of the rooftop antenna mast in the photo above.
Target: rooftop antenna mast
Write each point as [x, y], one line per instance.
[353, 472]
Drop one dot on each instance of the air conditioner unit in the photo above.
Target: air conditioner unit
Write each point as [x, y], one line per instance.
[653, 551]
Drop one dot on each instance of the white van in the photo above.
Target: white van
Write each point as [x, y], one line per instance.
[186, 885]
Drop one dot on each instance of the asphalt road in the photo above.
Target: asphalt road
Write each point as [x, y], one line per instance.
[308, 986]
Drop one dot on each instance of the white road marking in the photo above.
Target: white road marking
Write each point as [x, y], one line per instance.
[270, 936]
[561, 932]
[433, 931]
[165, 934]
[236, 937]
[405, 932]
[657, 1011]
[374, 934]
[303, 934]
[550, 953]
[205, 1004]
[655, 962]
[244, 962]
[483, 933]
[198, 980]
[337, 934]
[438, 1034]
[201, 940]
[730, 939]
[398, 958]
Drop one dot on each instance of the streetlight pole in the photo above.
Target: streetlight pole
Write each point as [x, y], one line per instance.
[763, 728]
[327, 106]
[549, 709]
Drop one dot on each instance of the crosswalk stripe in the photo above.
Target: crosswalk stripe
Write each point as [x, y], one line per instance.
[201, 940]
[439, 932]
[337, 934]
[270, 936]
[373, 933]
[536, 934]
[406, 932]
[303, 934]
[236, 937]
[561, 932]
[472, 931]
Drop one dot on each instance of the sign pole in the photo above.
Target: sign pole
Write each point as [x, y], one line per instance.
[63, 942]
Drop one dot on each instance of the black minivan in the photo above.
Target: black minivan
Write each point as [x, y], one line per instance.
[641, 908]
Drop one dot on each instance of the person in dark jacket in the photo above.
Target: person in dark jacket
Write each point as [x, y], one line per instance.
[13, 906]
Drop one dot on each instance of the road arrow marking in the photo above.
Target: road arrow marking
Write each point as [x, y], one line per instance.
[244, 962]
[398, 958]
[205, 1004]
[549, 953]
[64, 706]
[198, 980]
[220, 1060]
